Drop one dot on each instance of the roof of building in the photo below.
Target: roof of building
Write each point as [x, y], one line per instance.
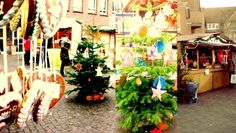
[218, 15]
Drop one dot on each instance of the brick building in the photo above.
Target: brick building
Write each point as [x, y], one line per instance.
[194, 19]
[99, 13]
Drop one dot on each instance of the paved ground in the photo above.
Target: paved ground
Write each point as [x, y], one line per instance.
[215, 112]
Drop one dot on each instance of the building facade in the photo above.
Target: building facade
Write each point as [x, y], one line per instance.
[194, 19]
[190, 18]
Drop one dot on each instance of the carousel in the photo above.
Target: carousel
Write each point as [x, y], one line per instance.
[30, 93]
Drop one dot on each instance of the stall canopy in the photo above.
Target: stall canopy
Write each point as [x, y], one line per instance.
[207, 40]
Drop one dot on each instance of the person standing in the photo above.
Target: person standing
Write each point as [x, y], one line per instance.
[27, 50]
[64, 54]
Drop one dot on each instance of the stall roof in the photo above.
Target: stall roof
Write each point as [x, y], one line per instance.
[213, 44]
[208, 40]
[194, 36]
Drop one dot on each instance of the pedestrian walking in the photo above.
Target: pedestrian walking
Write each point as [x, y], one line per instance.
[27, 50]
[64, 54]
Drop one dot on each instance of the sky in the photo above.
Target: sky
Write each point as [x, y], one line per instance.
[217, 3]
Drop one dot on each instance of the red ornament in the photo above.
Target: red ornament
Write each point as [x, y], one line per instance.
[160, 1]
[173, 5]
[78, 67]
[143, 2]
[155, 131]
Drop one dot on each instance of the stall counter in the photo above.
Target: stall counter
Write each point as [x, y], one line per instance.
[209, 79]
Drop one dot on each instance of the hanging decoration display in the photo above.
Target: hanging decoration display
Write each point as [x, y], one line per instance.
[31, 92]
[36, 16]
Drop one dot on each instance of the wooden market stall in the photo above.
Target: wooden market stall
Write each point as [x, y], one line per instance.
[206, 59]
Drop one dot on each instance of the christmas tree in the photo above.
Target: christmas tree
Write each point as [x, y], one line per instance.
[90, 73]
[145, 93]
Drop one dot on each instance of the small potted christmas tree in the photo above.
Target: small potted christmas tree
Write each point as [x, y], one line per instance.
[90, 73]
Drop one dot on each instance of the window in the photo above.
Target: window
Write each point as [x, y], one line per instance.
[78, 5]
[213, 26]
[92, 6]
[103, 7]
[113, 7]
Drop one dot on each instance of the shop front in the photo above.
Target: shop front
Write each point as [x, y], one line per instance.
[206, 59]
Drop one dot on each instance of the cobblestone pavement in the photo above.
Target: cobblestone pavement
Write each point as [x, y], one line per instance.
[214, 112]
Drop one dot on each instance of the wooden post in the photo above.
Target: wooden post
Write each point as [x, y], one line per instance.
[114, 58]
[213, 58]
[5, 67]
[197, 58]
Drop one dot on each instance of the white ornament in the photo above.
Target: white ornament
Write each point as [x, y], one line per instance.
[99, 71]
[154, 32]
[167, 10]
[138, 22]
[160, 21]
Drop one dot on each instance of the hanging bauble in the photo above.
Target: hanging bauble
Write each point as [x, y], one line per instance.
[143, 31]
[160, 46]
[173, 5]
[143, 2]
[172, 19]
[8, 9]
[128, 59]
[160, 21]
[130, 45]
[140, 62]
[155, 131]
[148, 14]
[167, 10]
[138, 81]
[138, 22]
